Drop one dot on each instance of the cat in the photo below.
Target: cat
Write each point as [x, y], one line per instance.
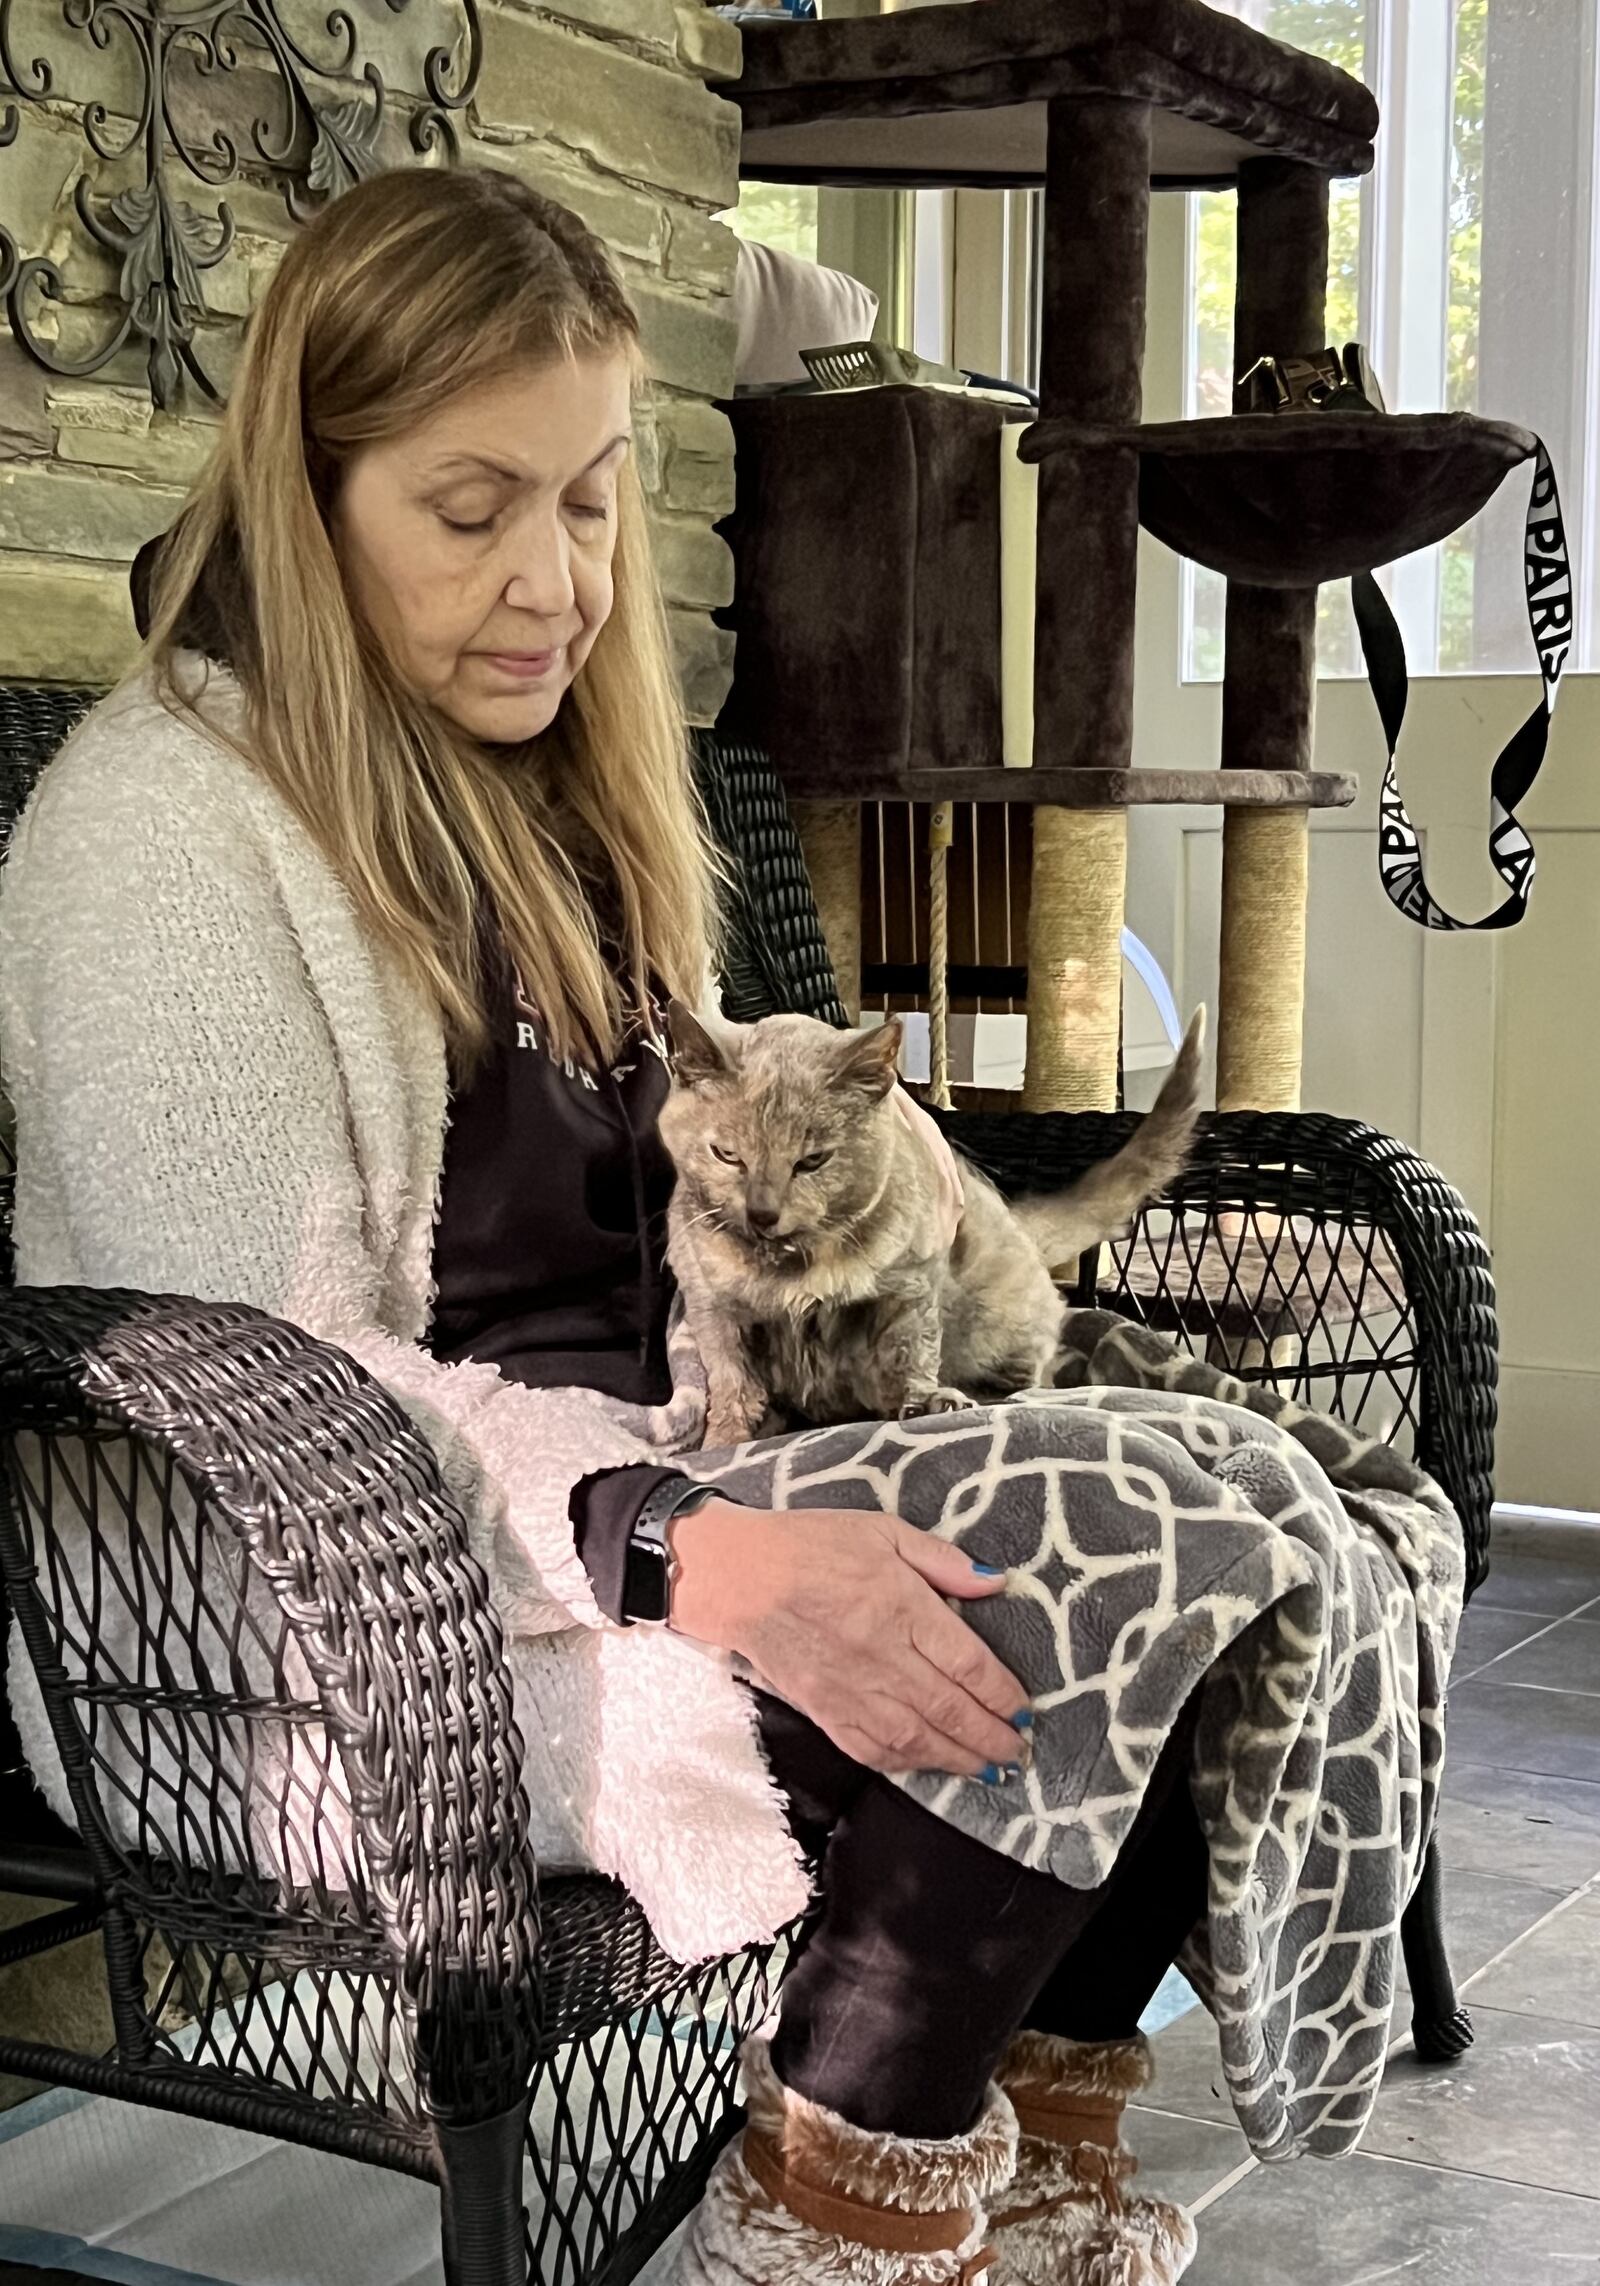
[806, 1238]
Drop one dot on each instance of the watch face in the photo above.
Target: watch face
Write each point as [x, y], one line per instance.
[646, 1592]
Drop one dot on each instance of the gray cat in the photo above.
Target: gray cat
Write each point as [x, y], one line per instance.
[807, 1240]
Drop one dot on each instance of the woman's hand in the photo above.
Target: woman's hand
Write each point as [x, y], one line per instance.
[840, 1613]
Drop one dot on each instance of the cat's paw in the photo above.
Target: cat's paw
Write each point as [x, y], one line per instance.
[727, 1426]
[937, 1401]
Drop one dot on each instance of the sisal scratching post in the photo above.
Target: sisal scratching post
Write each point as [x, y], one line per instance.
[830, 840]
[1080, 860]
[1262, 988]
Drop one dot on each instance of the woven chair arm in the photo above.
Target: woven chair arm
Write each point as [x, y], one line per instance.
[1449, 1280]
[339, 1501]
[1310, 1163]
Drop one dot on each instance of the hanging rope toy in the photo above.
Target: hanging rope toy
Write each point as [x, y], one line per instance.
[941, 833]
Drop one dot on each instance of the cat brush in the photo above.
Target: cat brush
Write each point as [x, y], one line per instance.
[876, 365]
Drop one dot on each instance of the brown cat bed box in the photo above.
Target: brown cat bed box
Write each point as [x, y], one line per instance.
[866, 537]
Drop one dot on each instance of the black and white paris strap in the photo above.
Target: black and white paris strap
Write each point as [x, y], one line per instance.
[1549, 584]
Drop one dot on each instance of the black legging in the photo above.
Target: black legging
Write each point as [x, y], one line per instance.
[931, 1949]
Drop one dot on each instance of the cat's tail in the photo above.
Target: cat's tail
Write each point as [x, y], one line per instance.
[1105, 1199]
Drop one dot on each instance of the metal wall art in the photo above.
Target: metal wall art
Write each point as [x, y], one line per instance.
[163, 245]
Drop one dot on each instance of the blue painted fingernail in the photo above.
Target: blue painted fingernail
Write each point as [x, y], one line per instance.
[990, 1571]
[1023, 1721]
[989, 1775]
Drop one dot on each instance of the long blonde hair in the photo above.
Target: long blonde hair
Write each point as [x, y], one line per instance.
[409, 289]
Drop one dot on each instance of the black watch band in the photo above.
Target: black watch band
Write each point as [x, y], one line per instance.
[650, 1569]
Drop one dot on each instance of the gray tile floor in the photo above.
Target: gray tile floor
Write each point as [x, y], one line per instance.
[1485, 2172]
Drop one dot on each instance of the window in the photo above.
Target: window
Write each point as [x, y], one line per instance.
[861, 232]
[1469, 263]
[954, 271]
[972, 258]
[777, 214]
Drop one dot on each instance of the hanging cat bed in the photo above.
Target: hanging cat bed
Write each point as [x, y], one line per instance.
[1299, 500]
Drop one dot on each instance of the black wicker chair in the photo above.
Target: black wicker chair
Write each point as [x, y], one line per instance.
[392, 1980]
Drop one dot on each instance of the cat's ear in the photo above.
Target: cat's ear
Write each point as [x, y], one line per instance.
[871, 1060]
[696, 1056]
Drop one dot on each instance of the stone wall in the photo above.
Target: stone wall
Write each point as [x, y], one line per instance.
[604, 104]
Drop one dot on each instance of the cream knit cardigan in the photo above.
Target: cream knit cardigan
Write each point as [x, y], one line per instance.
[222, 1088]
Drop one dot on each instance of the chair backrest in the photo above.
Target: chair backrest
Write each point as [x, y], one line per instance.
[775, 958]
[34, 719]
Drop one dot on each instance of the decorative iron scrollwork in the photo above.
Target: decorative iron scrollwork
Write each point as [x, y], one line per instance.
[162, 244]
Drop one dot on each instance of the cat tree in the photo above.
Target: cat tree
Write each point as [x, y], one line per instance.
[1101, 103]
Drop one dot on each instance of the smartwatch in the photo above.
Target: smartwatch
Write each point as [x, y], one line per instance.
[650, 1572]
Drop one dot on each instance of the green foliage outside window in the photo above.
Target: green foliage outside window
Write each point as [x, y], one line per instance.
[777, 214]
[1461, 335]
[1335, 30]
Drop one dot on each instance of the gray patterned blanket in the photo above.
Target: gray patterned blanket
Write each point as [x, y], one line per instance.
[1171, 1530]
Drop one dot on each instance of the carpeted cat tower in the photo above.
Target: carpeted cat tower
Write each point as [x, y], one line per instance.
[867, 530]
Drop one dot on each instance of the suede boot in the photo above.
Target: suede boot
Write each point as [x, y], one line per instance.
[1070, 2218]
[802, 2198]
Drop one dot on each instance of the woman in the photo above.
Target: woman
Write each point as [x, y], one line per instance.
[332, 949]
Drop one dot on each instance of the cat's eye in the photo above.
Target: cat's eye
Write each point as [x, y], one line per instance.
[811, 1162]
[728, 1158]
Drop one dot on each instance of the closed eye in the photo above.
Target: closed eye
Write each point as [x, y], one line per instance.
[728, 1158]
[811, 1162]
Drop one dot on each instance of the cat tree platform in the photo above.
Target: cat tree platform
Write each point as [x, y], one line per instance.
[962, 96]
[838, 776]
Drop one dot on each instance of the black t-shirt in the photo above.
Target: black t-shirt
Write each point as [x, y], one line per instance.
[550, 1246]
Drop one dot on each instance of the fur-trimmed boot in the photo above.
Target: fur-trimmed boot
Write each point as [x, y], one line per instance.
[1069, 2218]
[802, 2198]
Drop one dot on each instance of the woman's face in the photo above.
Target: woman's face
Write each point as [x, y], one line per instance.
[480, 545]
